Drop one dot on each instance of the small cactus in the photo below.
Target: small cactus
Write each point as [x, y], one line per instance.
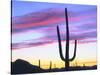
[50, 65]
[39, 64]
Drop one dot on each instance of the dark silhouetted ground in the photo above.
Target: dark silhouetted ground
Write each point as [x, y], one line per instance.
[24, 67]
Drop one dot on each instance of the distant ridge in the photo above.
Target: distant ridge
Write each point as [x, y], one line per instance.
[22, 67]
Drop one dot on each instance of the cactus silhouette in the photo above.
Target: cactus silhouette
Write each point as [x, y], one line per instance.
[50, 65]
[83, 65]
[66, 59]
[39, 64]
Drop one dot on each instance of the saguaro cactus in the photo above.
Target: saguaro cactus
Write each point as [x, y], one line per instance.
[50, 65]
[66, 59]
[39, 64]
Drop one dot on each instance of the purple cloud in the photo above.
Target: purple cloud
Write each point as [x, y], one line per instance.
[82, 26]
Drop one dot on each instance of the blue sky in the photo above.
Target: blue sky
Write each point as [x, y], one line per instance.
[24, 7]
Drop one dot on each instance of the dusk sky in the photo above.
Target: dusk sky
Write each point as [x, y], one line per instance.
[34, 32]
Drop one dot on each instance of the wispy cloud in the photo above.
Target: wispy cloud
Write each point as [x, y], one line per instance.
[39, 28]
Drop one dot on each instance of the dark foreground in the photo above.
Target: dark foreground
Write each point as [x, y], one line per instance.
[23, 67]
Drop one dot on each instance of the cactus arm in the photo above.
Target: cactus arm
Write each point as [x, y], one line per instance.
[60, 47]
[74, 51]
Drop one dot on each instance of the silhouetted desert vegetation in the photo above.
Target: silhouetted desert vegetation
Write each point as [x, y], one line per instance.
[24, 67]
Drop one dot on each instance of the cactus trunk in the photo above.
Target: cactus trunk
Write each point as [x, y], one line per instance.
[67, 41]
[66, 59]
[39, 64]
[50, 65]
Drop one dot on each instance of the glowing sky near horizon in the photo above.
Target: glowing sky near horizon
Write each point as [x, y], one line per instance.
[34, 29]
